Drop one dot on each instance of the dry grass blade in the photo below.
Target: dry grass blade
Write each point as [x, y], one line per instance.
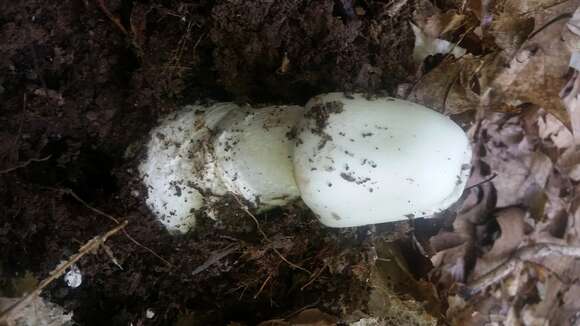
[91, 246]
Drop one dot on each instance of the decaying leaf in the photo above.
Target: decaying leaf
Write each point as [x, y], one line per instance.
[512, 147]
[450, 87]
[526, 91]
[513, 229]
[511, 31]
[455, 257]
[521, 170]
[552, 129]
[439, 24]
[570, 95]
[537, 70]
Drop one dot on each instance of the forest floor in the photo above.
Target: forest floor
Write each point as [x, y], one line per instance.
[82, 82]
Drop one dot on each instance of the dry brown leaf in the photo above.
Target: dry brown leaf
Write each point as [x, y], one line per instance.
[537, 167]
[571, 305]
[510, 31]
[476, 7]
[552, 129]
[513, 235]
[525, 175]
[450, 266]
[523, 7]
[570, 95]
[571, 34]
[517, 181]
[448, 87]
[574, 232]
[537, 71]
[455, 261]
[545, 310]
[558, 191]
[521, 170]
[513, 232]
[528, 78]
[439, 24]
[445, 240]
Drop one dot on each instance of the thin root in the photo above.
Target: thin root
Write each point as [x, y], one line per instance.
[247, 211]
[24, 164]
[91, 246]
[115, 220]
[263, 285]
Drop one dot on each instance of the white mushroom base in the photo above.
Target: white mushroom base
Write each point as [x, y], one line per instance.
[199, 154]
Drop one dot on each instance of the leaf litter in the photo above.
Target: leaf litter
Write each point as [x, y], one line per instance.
[507, 253]
[509, 256]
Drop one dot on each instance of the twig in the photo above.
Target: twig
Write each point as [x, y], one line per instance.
[91, 246]
[24, 164]
[263, 285]
[110, 217]
[314, 277]
[527, 253]
[245, 209]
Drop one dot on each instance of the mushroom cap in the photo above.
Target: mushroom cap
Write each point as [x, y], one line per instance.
[361, 160]
[180, 165]
[253, 154]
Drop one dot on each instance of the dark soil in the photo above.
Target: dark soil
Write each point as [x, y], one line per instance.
[79, 91]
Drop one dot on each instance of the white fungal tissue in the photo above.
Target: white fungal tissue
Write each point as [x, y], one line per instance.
[363, 161]
[353, 160]
[180, 166]
[73, 277]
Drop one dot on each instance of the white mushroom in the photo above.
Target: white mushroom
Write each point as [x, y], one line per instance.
[180, 165]
[353, 160]
[361, 161]
[199, 154]
[253, 154]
